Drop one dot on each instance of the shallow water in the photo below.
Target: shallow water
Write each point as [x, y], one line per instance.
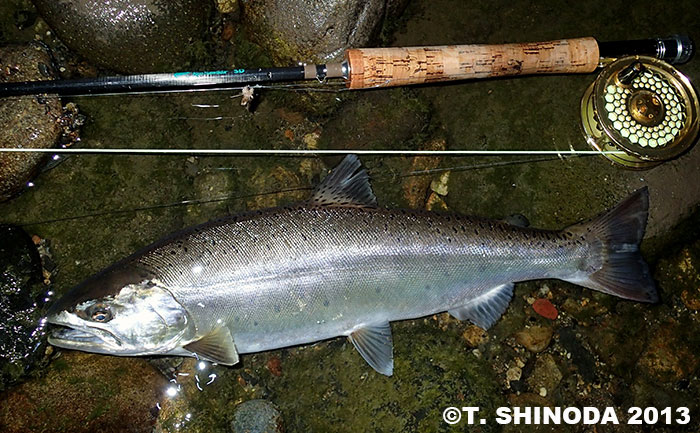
[601, 351]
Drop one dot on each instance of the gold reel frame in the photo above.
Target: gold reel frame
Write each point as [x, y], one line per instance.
[603, 135]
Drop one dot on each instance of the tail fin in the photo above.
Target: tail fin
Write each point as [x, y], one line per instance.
[617, 234]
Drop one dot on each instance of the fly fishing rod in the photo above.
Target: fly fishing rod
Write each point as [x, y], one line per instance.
[639, 112]
[365, 68]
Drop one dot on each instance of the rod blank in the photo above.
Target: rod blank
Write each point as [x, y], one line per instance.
[154, 82]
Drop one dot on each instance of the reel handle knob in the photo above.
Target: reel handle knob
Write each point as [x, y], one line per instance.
[629, 73]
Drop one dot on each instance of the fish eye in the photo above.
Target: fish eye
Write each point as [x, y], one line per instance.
[99, 313]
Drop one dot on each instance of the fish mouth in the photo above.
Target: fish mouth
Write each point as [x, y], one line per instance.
[68, 336]
[73, 335]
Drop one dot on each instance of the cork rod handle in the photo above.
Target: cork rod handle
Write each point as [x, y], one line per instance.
[382, 67]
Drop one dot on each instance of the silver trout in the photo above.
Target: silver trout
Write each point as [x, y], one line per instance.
[336, 265]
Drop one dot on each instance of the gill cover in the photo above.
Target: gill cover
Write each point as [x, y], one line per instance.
[140, 319]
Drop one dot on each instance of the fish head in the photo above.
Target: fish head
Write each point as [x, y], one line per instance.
[120, 312]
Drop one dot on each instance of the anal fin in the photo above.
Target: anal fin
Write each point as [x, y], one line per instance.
[486, 309]
[376, 346]
[216, 346]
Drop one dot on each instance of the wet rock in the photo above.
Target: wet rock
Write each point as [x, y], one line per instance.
[226, 6]
[21, 298]
[310, 140]
[378, 120]
[415, 186]
[436, 203]
[178, 411]
[580, 354]
[474, 336]
[439, 185]
[166, 365]
[228, 30]
[191, 166]
[535, 338]
[517, 219]
[316, 30]
[528, 400]
[670, 355]
[618, 341]
[682, 275]
[257, 416]
[25, 122]
[514, 373]
[84, 392]
[584, 309]
[691, 298]
[274, 365]
[212, 184]
[546, 374]
[272, 181]
[289, 116]
[128, 36]
[545, 308]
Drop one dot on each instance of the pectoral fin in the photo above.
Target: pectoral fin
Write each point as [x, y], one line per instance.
[217, 346]
[375, 345]
[485, 310]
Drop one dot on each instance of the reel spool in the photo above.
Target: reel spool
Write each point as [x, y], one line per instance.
[641, 106]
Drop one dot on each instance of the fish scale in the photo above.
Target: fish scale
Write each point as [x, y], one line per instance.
[367, 265]
[337, 265]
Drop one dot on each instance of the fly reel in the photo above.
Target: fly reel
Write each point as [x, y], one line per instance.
[643, 107]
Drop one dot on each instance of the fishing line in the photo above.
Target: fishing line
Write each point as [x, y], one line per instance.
[194, 202]
[293, 87]
[205, 118]
[163, 206]
[487, 165]
[306, 152]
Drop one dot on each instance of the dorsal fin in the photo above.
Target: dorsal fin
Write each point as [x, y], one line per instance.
[347, 185]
